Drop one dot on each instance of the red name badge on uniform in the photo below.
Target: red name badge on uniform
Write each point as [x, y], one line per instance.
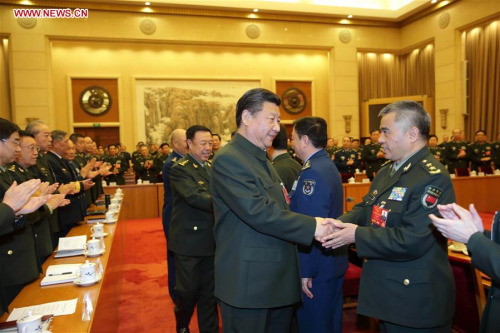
[379, 216]
[285, 193]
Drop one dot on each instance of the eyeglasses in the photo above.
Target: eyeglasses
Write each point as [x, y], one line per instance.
[15, 142]
[31, 148]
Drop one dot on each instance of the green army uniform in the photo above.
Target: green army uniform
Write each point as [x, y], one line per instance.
[406, 279]
[331, 151]
[256, 258]
[135, 154]
[192, 241]
[145, 169]
[496, 154]
[117, 163]
[288, 169]
[476, 152]
[158, 163]
[372, 162]
[452, 150]
[42, 229]
[443, 145]
[342, 156]
[438, 153]
[18, 252]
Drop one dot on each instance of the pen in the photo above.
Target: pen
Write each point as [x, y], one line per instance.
[65, 273]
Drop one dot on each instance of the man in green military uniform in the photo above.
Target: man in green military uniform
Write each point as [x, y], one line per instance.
[346, 159]
[118, 166]
[406, 282]
[496, 152]
[160, 160]
[191, 234]
[435, 150]
[480, 152]
[456, 152]
[443, 144]
[372, 155]
[288, 169]
[144, 167]
[257, 277]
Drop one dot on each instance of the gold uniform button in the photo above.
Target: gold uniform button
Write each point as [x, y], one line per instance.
[406, 282]
[195, 228]
[10, 252]
[36, 235]
[365, 260]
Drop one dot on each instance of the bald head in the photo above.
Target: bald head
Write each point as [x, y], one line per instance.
[178, 140]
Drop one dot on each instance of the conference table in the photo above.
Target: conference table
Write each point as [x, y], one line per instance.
[104, 294]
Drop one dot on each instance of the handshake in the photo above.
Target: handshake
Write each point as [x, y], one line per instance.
[333, 233]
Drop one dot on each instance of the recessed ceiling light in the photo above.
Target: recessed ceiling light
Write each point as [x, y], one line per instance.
[255, 10]
[349, 16]
[147, 3]
[434, 1]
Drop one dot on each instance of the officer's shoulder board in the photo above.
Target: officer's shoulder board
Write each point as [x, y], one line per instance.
[307, 165]
[184, 163]
[174, 159]
[12, 168]
[431, 167]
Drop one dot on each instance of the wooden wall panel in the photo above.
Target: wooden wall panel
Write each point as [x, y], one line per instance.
[305, 87]
[79, 115]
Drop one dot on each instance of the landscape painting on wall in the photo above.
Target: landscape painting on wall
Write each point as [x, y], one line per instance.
[164, 105]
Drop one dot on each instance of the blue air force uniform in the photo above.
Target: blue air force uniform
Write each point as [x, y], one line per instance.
[318, 192]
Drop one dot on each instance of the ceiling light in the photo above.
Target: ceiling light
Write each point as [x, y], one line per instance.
[349, 16]
[434, 1]
[147, 3]
[345, 21]
[255, 10]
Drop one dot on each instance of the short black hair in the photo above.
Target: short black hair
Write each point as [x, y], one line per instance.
[280, 142]
[23, 134]
[410, 114]
[111, 145]
[7, 128]
[217, 135]
[253, 100]
[164, 144]
[191, 131]
[74, 137]
[433, 136]
[373, 131]
[315, 128]
[355, 140]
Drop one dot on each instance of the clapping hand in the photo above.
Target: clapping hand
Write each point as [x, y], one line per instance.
[458, 223]
[18, 195]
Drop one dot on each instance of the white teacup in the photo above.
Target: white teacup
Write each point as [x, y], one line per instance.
[113, 207]
[351, 180]
[110, 216]
[30, 324]
[497, 172]
[365, 180]
[87, 271]
[481, 174]
[115, 200]
[139, 181]
[93, 246]
[119, 191]
[112, 183]
[97, 230]
[145, 181]
[452, 175]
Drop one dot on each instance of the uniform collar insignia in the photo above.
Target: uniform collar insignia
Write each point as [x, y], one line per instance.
[195, 165]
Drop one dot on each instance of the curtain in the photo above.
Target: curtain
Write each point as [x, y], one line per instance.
[383, 75]
[482, 53]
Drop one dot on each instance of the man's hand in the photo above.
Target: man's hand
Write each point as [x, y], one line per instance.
[51, 188]
[323, 227]
[33, 204]
[17, 195]
[56, 200]
[343, 235]
[67, 188]
[460, 228]
[306, 285]
[87, 183]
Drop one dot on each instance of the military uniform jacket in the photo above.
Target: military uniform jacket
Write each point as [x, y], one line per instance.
[192, 225]
[485, 254]
[342, 156]
[478, 151]
[74, 212]
[496, 154]
[256, 261]
[406, 278]
[288, 169]
[145, 172]
[452, 150]
[369, 156]
[319, 192]
[438, 153]
[117, 163]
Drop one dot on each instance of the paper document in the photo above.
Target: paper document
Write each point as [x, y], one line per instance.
[71, 246]
[60, 308]
[60, 274]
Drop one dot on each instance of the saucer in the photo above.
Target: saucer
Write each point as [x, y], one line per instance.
[454, 249]
[109, 221]
[87, 283]
[85, 253]
[103, 235]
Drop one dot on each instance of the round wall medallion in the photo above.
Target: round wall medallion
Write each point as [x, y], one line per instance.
[294, 100]
[95, 100]
[444, 20]
[345, 36]
[148, 27]
[27, 22]
[253, 31]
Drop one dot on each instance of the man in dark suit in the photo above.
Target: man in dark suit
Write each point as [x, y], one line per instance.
[318, 192]
[288, 169]
[74, 212]
[257, 277]
[465, 226]
[178, 140]
[406, 282]
[192, 239]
